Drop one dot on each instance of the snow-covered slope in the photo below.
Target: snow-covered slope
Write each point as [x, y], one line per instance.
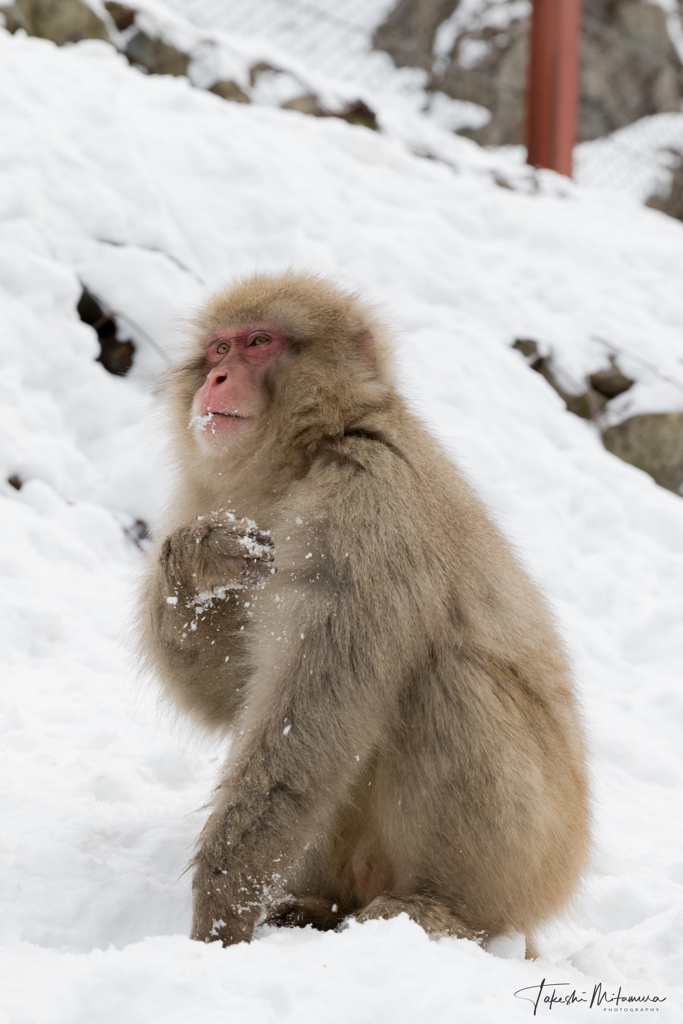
[150, 192]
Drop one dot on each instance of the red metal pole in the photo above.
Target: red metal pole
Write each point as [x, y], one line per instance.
[553, 84]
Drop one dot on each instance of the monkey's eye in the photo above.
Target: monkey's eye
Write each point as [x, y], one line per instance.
[222, 348]
[260, 339]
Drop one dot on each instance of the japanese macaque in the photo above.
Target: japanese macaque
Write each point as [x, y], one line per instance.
[327, 589]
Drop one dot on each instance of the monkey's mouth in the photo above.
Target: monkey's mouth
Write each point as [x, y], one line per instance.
[229, 415]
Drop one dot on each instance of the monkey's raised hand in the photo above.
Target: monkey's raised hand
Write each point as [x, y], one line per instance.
[217, 550]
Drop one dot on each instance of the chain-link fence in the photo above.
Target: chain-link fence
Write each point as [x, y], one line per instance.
[630, 125]
[630, 131]
[333, 37]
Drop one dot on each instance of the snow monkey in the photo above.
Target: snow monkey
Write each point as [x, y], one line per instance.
[329, 591]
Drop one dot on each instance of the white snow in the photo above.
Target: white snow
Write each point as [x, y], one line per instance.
[150, 192]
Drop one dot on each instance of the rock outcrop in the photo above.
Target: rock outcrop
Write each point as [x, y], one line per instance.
[149, 49]
[115, 355]
[670, 201]
[652, 442]
[156, 56]
[63, 21]
[629, 66]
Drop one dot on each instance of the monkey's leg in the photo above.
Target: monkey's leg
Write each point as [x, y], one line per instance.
[279, 798]
[431, 913]
[250, 867]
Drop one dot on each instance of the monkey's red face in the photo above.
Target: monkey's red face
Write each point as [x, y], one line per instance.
[232, 397]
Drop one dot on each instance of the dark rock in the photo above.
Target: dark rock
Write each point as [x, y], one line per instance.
[652, 442]
[528, 347]
[671, 201]
[502, 182]
[116, 356]
[354, 113]
[259, 69]
[141, 529]
[359, 113]
[629, 66]
[62, 21]
[139, 533]
[15, 482]
[229, 90]
[610, 382]
[409, 29]
[90, 310]
[497, 80]
[588, 404]
[13, 19]
[308, 104]
[122, 16]
[156, 56]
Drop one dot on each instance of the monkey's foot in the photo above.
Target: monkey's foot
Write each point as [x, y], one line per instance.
[323, 915]
[214, 917]
[216, 929]
[432, 914]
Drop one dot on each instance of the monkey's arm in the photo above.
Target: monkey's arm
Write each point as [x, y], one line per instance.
[198, 599]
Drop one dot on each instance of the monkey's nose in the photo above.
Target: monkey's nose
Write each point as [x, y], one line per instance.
[217, 376]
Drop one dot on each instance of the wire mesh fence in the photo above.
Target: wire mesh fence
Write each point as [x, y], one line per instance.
[329, 36]
[630, 133]
[641, 161]
[631, 92]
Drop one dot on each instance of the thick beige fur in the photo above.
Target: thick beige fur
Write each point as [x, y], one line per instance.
[405, 734]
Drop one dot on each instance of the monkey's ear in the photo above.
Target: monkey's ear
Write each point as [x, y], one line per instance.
[363, 341]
